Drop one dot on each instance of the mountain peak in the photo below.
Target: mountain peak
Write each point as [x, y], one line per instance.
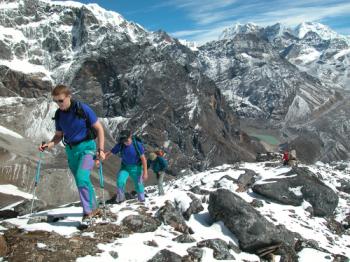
[238, 28]
[322, 30]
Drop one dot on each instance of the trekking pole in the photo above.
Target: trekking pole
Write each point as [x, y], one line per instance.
[100, 173]
[37, 176]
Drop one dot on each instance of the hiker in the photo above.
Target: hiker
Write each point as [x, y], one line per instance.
[158, 164]
[285, 158]
[77, 127]
[133, 163]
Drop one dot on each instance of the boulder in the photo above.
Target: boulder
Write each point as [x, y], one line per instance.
[220, 247]
[165, 256]
[297, 185]
[195, 254]
[195, 207]
[252, 230]
[169, 215]
[141, 223]
[184, 238]
[24, 207]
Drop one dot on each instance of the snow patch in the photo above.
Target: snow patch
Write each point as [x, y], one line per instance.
[13, 190]
[7, 131]
[296, 190]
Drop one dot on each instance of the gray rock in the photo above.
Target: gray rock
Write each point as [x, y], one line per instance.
[199, 191]
[24, 207]
[344, 186]
[268, 156]
[5, 51]
[322, 198]
[151, 243]
[169, 215]
[252, 229]
[247, 179]
[195, 253]
[113, 254]
[165, 256]
[257, 203]
[194, 208]
[37, 219]
[184, 238]
[221, 248]
[141, 223]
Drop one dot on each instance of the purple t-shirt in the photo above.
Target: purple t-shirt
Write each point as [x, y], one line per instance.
[73, 127]
[129, 154]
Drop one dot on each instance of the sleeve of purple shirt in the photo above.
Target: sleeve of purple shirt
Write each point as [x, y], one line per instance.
[57, 125]
[115, 150]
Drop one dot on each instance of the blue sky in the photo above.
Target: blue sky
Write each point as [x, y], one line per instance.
[204, 20]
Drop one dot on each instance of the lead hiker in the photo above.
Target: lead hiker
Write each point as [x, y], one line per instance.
[77, 127]
[133, 164]
[158, 164]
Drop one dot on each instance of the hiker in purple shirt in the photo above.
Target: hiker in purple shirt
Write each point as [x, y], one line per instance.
[134, 163]
[77, 127]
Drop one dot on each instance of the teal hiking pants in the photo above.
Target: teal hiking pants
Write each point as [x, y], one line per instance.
[135, 172]
[81, 162]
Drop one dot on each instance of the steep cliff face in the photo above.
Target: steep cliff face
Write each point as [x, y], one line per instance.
[259, 83]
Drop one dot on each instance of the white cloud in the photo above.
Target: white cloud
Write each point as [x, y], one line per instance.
[211, 17]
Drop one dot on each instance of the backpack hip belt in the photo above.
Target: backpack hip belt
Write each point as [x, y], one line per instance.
[76, 143]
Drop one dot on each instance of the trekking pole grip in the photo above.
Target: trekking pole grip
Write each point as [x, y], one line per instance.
[43, 143]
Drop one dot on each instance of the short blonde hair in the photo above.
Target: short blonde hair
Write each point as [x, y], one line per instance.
[61, 89]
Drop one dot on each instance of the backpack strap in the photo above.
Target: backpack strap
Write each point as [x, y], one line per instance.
[80, 113]
[136, 146]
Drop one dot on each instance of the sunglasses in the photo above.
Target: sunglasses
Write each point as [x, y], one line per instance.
[59, 101]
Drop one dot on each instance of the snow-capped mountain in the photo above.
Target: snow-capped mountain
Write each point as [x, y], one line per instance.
[323, 31]
[269, 74]
[258, 82]
[247, 212]
[313, 47]
[128, 75]
[231, 32]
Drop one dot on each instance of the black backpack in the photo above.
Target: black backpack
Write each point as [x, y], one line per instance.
[80, 113]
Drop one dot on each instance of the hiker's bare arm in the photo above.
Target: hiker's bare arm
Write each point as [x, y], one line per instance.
[144, 165]
[54, 141]
[108, 154]
[100, 140]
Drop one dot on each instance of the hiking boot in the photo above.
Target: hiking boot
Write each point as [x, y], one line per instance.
[94, 214]
[112, 200]
[141, 197]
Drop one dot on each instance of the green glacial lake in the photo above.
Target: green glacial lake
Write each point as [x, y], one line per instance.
[266, 138]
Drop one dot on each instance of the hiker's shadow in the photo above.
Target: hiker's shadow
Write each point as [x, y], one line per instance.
[65, 223]
[58, 215]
